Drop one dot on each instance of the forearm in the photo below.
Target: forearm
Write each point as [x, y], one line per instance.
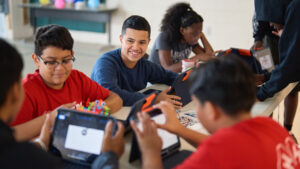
[166, 61]
[191, 136]
[279, 79]
[152, 160]
[114, 102]
[206, 45]
[175, 67]
[203, 56]
[30, 129]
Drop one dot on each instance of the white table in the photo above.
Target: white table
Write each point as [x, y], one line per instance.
[264, 108]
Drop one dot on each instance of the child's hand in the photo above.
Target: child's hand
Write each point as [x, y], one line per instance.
[258, 45]
[114, 143]
[278, 33]
[259, 79]
[173, 99]
[149, 141]
[46, 132]
[172, 123]
[53, 113]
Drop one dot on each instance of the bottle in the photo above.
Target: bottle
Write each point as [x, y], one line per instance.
[69, 3]
[93, 4]
[59, 4]
[44, 2]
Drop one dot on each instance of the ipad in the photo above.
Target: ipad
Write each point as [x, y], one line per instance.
[77, 136]
[180, 87]
[170, 141]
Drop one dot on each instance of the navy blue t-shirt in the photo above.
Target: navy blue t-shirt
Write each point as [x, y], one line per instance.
[111, 72]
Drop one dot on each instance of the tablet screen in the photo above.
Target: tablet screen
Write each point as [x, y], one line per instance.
[78, 136]
[168, 139]
[84, 139]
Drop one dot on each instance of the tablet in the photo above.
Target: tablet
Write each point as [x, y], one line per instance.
[180, 87]
[170, 141]
[77, 136]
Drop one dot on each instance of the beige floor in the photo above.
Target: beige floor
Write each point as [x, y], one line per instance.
[87, 54]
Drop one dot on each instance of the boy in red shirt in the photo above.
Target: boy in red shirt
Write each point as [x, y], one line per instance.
[55, 83]
[223, 90]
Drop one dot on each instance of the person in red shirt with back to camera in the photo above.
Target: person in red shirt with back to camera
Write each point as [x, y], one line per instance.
[54, 83]
[223, 90]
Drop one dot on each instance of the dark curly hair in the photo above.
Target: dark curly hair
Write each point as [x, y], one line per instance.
[52, 35]
[178, 15]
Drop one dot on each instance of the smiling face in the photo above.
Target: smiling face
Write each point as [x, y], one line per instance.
[54, 76]
[192, 34]
[134, 45]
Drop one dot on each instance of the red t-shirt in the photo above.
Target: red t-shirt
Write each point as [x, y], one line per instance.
[39, 98]
[259, 143]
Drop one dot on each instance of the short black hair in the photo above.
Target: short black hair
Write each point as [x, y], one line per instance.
[52, 35]
[177, 16]
[227, 82]
[136, 22]
[11, 65]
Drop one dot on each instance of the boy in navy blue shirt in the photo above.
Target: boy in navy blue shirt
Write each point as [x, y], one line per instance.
[125, 70]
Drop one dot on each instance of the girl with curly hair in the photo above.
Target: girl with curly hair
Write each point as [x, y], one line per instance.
[181, 29]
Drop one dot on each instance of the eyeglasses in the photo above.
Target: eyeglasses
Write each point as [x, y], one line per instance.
[55, 63]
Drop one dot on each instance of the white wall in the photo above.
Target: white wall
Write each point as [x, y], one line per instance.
[17, 20]
[227, 23]
[15, 28]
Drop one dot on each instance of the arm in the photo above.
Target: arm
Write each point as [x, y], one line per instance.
[191, 136]
[92, 90]
[30, 129]
[114, 102]
[44, 138]
[207, 48]
[203, 53]
[173, 125]
[166, 61]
